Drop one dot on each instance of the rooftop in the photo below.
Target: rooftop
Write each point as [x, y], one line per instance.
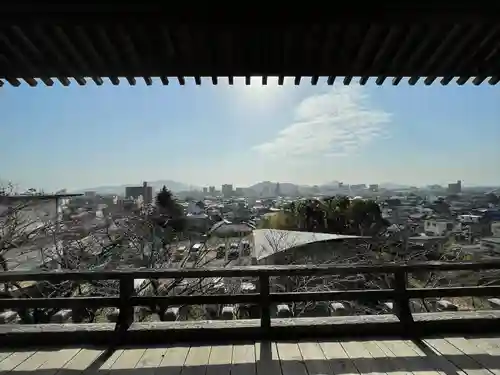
[227, 227]
[495, 240]
[270, 241]
[32, 197]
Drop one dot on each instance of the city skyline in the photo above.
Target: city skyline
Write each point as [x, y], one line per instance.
[78, 137]
[177, 186]
[266, 185]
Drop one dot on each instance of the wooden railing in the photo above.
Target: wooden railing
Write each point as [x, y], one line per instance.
[400, 294]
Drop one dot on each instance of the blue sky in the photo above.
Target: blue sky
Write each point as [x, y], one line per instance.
[77, 137]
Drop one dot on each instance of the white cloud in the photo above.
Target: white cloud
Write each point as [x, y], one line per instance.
[332, 124]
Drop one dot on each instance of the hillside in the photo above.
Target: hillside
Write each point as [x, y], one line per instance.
[157, 185]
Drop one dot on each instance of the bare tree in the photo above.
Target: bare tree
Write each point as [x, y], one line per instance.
[140, 239]
[17, 229]
[377, 250]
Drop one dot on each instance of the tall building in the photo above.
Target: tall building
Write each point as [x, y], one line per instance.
[136, 191]
[277, 190]
[227, 190]
[147, 193]
[358, 187]
[211, 190]
[205, 190]
[455, 188]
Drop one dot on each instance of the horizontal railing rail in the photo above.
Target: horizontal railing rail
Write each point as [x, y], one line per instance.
[253, 271]
[400, 294]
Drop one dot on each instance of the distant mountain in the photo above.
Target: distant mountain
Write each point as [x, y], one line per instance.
[157, 185]
[268, 188]
[264, 188]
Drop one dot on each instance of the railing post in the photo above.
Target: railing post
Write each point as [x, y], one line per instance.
[401, 301]
[126, 316]
[265, 302]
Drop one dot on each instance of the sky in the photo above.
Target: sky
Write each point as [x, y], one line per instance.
[80, 137]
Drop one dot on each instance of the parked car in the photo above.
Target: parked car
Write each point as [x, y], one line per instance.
[228, 312]
[179, 253]
[233, 254]
[221, 251]
[196, 247]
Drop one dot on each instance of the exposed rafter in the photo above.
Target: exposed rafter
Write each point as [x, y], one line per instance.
[411, 42]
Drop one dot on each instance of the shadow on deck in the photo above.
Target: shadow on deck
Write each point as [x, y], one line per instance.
[451, 355]
[163, 333]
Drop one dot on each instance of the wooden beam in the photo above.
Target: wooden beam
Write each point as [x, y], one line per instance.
[293, 270]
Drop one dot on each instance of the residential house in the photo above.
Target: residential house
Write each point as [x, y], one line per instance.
[195, 208]
[491, 245]
[197, 222]
[226, 229]
[438, 227]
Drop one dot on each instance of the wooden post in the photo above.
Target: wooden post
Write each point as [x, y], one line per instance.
[402, 302]
[265, 308]
[126, 317]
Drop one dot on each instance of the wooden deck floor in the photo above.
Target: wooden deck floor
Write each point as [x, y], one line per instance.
[437, 356]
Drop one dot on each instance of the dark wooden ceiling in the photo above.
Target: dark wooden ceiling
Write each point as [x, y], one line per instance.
[48, 43]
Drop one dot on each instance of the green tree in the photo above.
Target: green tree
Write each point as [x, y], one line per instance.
[167, 205]
[332, 215]
[366, 218]
[492, 198]
[201, 205]
[169, 217]
[441, 207]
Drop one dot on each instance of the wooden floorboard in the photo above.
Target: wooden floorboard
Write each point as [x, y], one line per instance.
[291, 360]
[314, 358]
[220, 360]
[430, 356]
[409, 360]
[151, 360]
[267, 358]
[196, 360]
[173, 360]
[14, 360]
[82, 362]
[443, 348]
[337, 358]
[35, 361]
